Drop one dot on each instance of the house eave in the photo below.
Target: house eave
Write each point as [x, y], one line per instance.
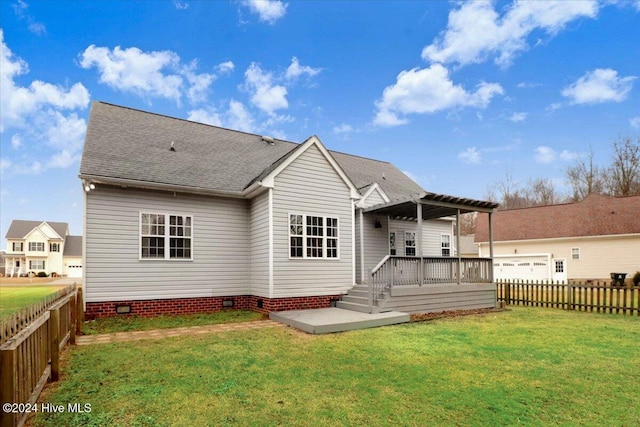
[565, 238]
[146, 185]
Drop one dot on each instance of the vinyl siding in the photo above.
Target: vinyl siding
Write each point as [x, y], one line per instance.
[259, 246]
[114, 272]
[599, 256]
[310, 186]
[376, 243]
[431, 232]
[373, 199]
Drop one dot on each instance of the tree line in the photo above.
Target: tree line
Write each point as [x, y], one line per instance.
[620, 177]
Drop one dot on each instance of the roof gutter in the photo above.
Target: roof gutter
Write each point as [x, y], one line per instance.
[125, 183]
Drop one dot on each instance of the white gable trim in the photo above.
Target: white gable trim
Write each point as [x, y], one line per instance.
[269, 180]
[375, 187]
[46, 231]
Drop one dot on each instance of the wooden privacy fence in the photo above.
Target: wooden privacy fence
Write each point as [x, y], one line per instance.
[598, 297]
[32, 355]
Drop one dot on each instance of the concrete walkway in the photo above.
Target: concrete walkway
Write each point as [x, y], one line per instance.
[330, 320]
[175, 332]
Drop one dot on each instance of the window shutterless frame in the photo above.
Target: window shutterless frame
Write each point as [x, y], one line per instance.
[313, 236]
[165, 236]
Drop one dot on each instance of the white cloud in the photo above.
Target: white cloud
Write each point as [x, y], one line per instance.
[266, 95]
[20, 9]
[238, 117]
[269, 11]
[181, 5]
[518, 117]
[569, 156]
[476, 31]
[428, 90]
[470, 156]
[634, 122]
[342, 129]
[42, 117]
[16, 141]
[598, 86]
[157, 74]
[209, 116]
[226, 67]
[296, 70]
[545, 155]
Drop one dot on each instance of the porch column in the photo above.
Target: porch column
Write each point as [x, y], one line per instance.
[458, 246]
[491, 248]
[419, 243]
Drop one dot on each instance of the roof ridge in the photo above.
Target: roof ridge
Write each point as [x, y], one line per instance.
[189, 121]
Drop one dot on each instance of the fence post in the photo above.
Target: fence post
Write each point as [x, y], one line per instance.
[79, 311]
[570, 296]
[73, 312]
[8, 383]
[54, 342]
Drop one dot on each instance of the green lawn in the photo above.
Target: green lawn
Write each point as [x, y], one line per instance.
[15, 298]
[525, 366]
[124, 324]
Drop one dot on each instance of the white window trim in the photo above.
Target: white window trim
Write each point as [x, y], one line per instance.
[577, 253]
[35, 244]
[31, 267]
[415, 243]
[304, 237]
[167, 237]
[442, 247]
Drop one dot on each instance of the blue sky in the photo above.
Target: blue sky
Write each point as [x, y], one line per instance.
[456, 95]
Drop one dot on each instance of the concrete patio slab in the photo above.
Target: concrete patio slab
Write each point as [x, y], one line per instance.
[329, 320]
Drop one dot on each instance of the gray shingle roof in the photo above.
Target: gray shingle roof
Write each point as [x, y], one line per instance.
[20, 228]
[123, 143]
[73, 246]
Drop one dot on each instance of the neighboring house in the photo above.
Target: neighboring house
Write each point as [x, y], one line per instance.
[468, 247]
[41, 246]
[586, 240]
[185, 217]
[2, 266]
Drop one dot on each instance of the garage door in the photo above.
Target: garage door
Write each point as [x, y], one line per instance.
[74, 271]
[522, 268]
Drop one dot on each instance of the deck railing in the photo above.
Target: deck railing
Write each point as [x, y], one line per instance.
[417, 271]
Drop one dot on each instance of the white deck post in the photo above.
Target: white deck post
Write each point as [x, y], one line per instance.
[491, 248]
[458, 246]
[419, 243]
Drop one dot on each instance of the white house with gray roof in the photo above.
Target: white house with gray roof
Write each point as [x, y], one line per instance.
[184, 217]
[42, 246]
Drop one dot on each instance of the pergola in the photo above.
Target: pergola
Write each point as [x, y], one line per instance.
[425, 206]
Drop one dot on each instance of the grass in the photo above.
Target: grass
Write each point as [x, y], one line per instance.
[15, 298]
[133, 323]
[527, 366]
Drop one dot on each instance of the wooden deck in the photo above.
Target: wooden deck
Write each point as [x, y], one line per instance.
[438, 298]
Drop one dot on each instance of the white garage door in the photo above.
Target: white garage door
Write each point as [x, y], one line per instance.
[522, 268]
[74, 271]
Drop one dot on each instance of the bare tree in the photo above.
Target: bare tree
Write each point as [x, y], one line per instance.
[625, 167]
[585, 177]
[468, 223]
[541, 191]
[511, 195]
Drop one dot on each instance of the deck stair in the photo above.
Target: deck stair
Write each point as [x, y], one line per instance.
[357, 299]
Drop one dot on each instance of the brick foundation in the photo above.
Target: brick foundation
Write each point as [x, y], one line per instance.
[175, 306]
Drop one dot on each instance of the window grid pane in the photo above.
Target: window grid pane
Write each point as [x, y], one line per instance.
[410, 244]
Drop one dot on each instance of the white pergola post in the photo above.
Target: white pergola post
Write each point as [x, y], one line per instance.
[491, 248]
[419, 243]
[458, 246]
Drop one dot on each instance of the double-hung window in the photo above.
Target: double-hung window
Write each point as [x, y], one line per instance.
[36, 264]
[575, 253]
[165, 236]
[313, 236]
[54, 247]
[36, 246]
[445, 244]
[410, 243]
